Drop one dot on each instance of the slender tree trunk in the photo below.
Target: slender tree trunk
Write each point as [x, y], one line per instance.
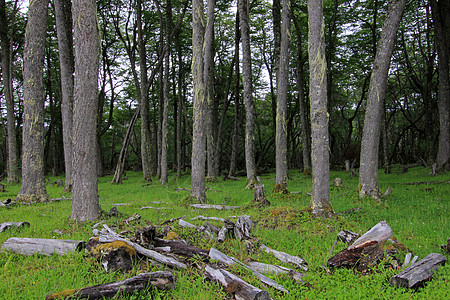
[33, 182]
[276, 15]
[85, 203]
[440, 12]
[237, 90]
[282, 95]
[368, 178]
[63, 14]
[320, 200]
[180, 108]
[12, 165]
[165, 119]
[243, 7]
[198, 189]
[208, 79]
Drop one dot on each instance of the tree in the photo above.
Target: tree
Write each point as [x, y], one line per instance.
[33, 182]
[320, 199]
[12, 165]
[368, 178]
[63, 14]
[282, 95]
[85, 204]
[198, 189]
[440, 12]
[243, 7]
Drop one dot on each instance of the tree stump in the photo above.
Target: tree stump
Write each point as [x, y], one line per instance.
[259, 197]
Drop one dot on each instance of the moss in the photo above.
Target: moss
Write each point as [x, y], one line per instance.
[61, 295]
[280, 189]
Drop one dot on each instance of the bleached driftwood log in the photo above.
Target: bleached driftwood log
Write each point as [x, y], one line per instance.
[214, 206]
[228, 260]
[419, 272]
[185, 224]
[266, 268]
[113, 236]
[365, 250]
[8, 225]
[208, 218]
[29, 246]
[234, 285]
[160, 279]
[287, 258]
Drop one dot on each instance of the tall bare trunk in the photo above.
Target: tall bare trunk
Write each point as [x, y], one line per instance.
[368, 178]
[237, 90]
[33, 182]
[320, 200]
[85, 203]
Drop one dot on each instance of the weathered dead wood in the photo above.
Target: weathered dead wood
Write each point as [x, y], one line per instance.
[185, 224]
[152, 207]
[446, 248]
[7, 202]
[29, 246]
[424, 182]
[181, 248]
[234, 285]
[172, 220]
[416, 274]
[266, 268]
[365, 251]
[207, 218]
[243, 227]
[113, 236]
[347, 236]
[222, 234]
[213, 206]
[9, 225]
[228, 260]
[114, 256]
[259, 196]
[286, 258]
[160, 279]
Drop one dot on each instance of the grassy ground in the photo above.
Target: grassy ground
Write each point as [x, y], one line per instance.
[418, 214]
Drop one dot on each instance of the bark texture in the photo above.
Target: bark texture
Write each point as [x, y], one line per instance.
[85, 204]
[243, 7]
[320, 200]
[235, 137]
[368, 177]
[282, 95]
[198, 189]
[63, 14]
[33, 182]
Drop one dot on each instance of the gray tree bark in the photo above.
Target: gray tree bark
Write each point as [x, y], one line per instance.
[33, 182]
[198, 189]
[63, 14]
[243, 7]
[320, 200]
[282, 95]
[235, 136]
[368, 177]
[440, 12]
[85, 204]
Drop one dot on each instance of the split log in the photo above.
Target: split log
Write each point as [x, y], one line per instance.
[8, 225]
[185, 224]
[160, 279]
[228, 260]
[365, 251]
[214, 206]
[180, 248]
[242, 228]
[286, 258]
[416, 274]
[266, 268]
[234, 285]
[29, 246]
[113, 236]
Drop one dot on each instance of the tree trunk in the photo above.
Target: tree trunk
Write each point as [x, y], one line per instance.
[179, 131]
[198, 189]
[440, 11]
[208, 78]
[368, 178]
[282, 95]
[85, 203]
[33, 182]
[63, 14]
[320, 200]
[243, 7]
[235, 136]
[12, 166]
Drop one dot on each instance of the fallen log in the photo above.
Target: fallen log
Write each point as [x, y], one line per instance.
[113, 236]
[266, 268]
[160, 279]
[416, 274]
[214, 206]
[379, 233]
[208, 218]
[180, 248]
[114, 256]
[286, 258]
[8, 225]
[29, 246]
[172, 220]
[185, 224]
[234, 285]
[228, 260]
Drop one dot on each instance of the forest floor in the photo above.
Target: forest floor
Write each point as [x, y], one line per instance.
[418, 215]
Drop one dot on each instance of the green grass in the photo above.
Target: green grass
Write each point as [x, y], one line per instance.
[418, 214]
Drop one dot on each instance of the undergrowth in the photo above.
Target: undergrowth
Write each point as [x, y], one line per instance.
[418, 215]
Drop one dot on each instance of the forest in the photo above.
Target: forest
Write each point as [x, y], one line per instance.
[234, 93]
